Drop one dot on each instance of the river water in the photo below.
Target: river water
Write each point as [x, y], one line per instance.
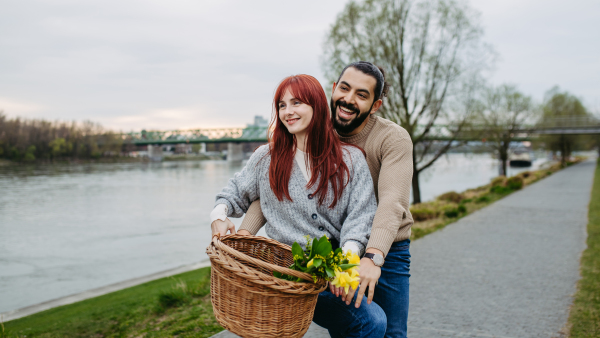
[65, 229]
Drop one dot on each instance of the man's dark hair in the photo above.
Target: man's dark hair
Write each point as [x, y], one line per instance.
[381, 87]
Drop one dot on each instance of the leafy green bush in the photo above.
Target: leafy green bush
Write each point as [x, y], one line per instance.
[514, 183]
[462, 209]
[451, 213]
[483, 199]
[498, 181]
[423, 214]
[500, 190]
[451, 196]
[467, 200]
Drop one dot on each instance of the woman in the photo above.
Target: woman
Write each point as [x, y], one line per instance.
[307, 180]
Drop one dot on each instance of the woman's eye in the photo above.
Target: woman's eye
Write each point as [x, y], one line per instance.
[281, 106]
[297, 102]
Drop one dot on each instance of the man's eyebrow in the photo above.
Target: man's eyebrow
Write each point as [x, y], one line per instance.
[358, 90]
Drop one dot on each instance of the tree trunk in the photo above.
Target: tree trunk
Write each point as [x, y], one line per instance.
[503, 159]
[415, 181]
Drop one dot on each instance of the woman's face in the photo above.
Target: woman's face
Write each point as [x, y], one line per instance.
[294, 114]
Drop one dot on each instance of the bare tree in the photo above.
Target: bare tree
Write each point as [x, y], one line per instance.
[504, 111]
[431, 51]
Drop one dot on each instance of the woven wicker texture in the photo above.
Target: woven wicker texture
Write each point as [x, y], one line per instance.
[247, 299]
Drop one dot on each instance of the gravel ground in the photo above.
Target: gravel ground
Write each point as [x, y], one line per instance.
[506, 271]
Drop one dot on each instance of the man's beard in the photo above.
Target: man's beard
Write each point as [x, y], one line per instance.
[346, 127]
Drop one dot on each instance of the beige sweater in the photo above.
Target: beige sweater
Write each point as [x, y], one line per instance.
[389, 156]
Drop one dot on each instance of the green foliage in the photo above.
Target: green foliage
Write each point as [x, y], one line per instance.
[500, 190]
[451, 213]
[451, 196]
[514, 183]
[482, 199]
[461, 209]
[29, 154]
[420, 214]
[318, 259]
[467, 200]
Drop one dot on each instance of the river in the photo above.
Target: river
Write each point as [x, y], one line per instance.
[70, 228]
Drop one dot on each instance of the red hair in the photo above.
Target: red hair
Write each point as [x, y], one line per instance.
[323, 147]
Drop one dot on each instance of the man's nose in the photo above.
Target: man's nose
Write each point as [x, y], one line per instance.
[349, 98]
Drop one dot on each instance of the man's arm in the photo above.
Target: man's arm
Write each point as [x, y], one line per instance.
[395, 180]
[254, 219]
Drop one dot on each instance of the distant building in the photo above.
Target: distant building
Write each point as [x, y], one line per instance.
[259, 121]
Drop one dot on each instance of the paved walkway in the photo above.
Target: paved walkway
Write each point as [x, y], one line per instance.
[506, 271]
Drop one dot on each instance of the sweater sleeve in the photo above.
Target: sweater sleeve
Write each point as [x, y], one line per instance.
[395, 179]
[242, 189]
[362, 205]
[254, 219]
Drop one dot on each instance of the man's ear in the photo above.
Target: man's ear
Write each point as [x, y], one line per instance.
[333, 88]
[376, 106]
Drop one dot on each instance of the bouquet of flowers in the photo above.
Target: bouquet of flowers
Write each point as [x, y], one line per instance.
[321, 262]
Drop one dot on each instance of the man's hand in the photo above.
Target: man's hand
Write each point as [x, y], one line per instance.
[369, 275]
[221, 227]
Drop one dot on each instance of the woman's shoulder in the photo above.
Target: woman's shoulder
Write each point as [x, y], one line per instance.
[261, 153]
[353, 155]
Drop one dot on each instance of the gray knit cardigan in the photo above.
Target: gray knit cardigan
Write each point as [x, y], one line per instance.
[288, 221]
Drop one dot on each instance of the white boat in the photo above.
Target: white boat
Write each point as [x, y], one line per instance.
[520, 157]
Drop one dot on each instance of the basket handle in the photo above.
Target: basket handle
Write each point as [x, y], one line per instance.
[224, 247]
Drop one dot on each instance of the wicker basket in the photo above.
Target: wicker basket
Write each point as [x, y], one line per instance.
[247, 299]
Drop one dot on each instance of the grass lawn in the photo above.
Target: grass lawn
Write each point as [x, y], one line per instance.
[584, 319]
[177, 306]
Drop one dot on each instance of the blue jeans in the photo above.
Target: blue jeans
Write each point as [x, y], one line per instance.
[386, 316]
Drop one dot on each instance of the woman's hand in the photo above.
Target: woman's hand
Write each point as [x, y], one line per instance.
[221, 227]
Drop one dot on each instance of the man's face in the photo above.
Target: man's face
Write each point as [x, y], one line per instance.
[352, 100]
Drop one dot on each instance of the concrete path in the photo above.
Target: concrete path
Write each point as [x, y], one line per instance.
[506, 271]
[29, 310]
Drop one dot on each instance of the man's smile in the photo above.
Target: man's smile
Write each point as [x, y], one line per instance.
[345, 113]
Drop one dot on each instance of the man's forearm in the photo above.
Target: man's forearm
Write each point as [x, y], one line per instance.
[254, 219]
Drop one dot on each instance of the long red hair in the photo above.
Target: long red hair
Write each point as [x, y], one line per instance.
[323, 148]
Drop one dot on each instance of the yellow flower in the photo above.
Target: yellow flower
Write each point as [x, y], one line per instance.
[354, 259]
[344, 280]
[310, 263]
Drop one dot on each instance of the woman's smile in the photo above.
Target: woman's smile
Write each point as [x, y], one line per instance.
[292, 121]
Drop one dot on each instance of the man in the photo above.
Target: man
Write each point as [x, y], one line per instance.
[384, 269]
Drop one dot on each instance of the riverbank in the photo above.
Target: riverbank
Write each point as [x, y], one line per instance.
[164, 307]
[584, 319]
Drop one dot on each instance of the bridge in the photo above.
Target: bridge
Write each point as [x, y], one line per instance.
[235, 136]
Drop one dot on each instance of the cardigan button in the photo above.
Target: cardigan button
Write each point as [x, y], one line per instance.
[321, 228]
[310, 196]
[314, 216]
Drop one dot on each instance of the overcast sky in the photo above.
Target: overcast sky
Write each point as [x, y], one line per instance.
[147, 64]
